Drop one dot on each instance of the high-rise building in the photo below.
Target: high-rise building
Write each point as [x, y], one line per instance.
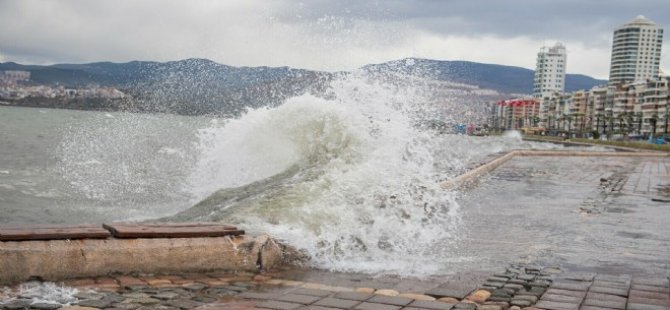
[550, 71]
[636, 51]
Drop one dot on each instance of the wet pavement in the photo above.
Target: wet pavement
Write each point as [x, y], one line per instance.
[581, 233]
[581, 213]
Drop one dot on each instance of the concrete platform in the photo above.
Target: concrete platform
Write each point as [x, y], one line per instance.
[62, 259]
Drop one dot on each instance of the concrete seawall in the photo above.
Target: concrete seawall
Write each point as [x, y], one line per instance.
[472, 175]
[62, 259]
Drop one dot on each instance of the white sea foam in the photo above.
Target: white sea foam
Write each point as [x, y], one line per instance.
[366, 198]
[42, 292]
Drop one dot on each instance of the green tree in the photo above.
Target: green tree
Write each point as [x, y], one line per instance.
[652, 121]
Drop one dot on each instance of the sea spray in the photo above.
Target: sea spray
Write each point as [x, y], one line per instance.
[350, 175]
[351, 179]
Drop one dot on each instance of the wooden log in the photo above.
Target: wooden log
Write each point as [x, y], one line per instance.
[53, 232]
[171, 230]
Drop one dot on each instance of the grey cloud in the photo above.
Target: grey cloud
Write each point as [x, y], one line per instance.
[567, 19]
[323, 34]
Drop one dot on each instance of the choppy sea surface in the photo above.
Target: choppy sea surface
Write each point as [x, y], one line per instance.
[352, 179]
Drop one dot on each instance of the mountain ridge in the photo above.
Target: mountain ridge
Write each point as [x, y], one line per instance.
[502, 78]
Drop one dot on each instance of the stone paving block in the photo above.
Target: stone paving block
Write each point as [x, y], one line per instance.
[105, 280]
[298, 299]
[310, 308]
[612, 284]
[440, 292]
[517, 281]
[278, 305]
[599, 296]
[658, 302]
[337, 303]
[45, 306]
[417, 296]
[531, 298]
[465, 306]
[636, 306]
[554, 291]
[571, 285]
[622, 278]
[498, 279]
[80, 282]
[505, 275]
[578, 276]
[609, 290]
[390, 300]
[495, 284]
[562, 298]
[663, 282]
[621, 304]
[129, 281]
[593, 308]
[650, 295]
[647, 288]
[541, 283]
[515, 287]
[157, 282]
[183, 304]
[372, 306]
[427, 304]
[499, 299]
[520, 302]
[552, 305]
[489, 307]
[501, 293]
[535, 291]
[526, 277]
[311, 292]
[255, 295]
[353, 296]
[94, 303]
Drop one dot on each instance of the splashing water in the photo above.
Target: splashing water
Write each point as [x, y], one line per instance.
[513, 134]
[350, 175]
[351, 179]
[41, 292]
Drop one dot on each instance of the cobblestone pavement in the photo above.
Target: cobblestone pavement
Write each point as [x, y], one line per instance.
[513, 288]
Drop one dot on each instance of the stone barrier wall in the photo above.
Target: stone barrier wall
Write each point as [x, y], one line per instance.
[472, 175]
[62, 259]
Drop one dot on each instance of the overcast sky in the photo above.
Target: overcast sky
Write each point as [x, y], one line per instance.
[319, 34]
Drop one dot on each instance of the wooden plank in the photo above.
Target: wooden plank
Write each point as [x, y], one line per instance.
[53, 232]
[171, 230]
[186, 224]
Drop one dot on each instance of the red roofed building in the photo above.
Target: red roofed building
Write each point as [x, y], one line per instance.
[516, 113]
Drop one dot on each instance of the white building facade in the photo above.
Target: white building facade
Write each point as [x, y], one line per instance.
[636, 51]
[550, 71]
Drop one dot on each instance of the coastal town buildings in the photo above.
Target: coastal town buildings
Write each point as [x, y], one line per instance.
[635, 102]
[636, 51]
[11, 77]
[549, 71]
[516, 113]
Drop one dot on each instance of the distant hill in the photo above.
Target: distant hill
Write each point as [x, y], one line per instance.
[504, 79]
[201, 86]
[191, 86]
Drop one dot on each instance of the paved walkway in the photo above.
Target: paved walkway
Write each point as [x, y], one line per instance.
[651, 176]
[513, 288]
